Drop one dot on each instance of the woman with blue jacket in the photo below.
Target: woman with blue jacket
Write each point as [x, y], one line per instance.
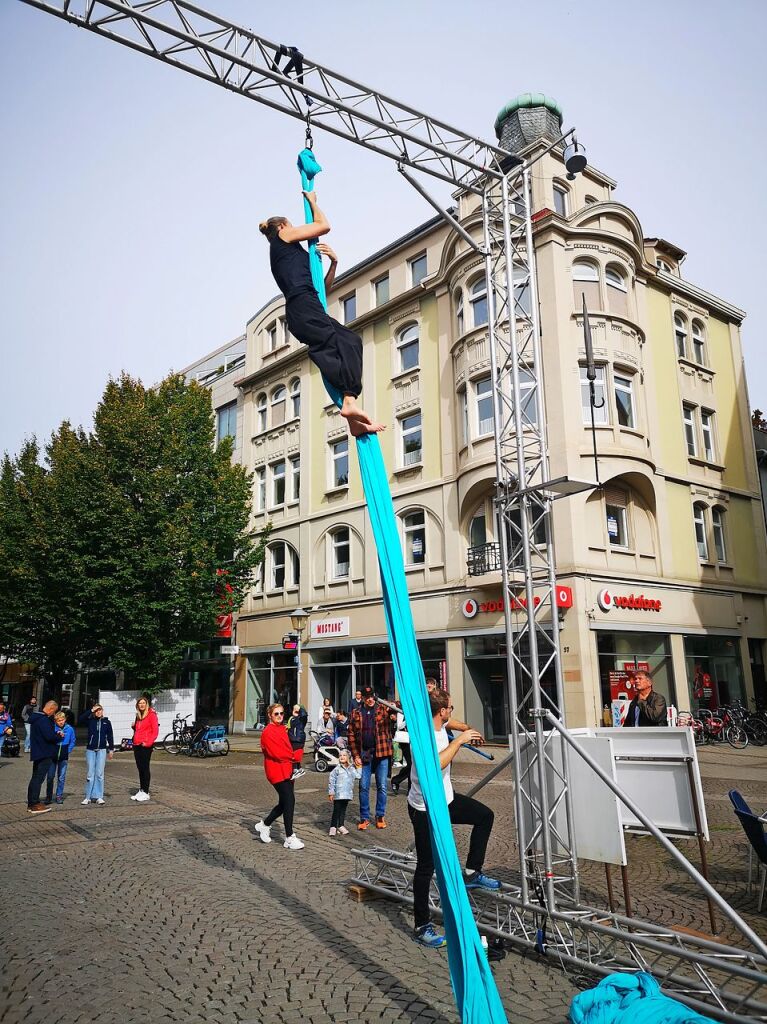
[100, 746]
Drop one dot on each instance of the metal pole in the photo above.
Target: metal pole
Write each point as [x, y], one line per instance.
[454, 224]
[701, 842]
[666, 843]
[626, 891]
[610, 893]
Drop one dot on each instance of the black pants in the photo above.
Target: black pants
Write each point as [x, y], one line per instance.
[335, 349]
[285, 807]
[403, 775]
[143, 756]
[339, 813]
[463, 811]
[39, 775]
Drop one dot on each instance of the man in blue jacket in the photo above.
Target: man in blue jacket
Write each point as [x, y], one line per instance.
[44, 741]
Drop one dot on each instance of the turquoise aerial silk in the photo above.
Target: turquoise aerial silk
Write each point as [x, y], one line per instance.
[476, 996]
[630, 999]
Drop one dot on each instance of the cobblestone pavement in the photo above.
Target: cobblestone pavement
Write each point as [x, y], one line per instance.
[173, 911]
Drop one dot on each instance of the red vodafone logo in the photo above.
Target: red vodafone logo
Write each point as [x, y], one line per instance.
[607, 600]
[470, 608]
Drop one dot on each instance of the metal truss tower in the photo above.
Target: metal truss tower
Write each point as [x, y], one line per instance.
[728, 982]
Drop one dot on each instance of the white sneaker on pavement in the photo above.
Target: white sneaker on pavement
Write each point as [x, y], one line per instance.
[137, 796]
[87, 801]
[262, 831]
[142, 797]
[100, 801]
[293, 843]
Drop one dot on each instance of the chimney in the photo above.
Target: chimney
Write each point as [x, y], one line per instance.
[528, 118]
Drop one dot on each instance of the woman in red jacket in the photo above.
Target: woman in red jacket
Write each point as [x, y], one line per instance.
[278, 765]
[145, 730]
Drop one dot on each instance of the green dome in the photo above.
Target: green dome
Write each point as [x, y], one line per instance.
[528, 99]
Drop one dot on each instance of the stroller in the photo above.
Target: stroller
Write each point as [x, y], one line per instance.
[325, 753]
[11, 746]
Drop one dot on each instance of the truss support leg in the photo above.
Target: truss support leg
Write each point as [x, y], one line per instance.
[626, 891]
[610, 893]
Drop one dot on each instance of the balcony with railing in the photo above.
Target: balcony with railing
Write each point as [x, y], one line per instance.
[483, 558]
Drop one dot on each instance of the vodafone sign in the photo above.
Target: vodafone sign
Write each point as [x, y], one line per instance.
[563, 597]
[607, 600]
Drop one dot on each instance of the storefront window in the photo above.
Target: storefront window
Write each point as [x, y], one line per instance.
[339, 673]
[714, 671]
[626, 652]
[207, 671]
[271, 678]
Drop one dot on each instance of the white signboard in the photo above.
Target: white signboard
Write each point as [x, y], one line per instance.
[120, 708]
[328, 629]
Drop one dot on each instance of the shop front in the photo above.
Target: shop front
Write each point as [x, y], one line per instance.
[207, 671]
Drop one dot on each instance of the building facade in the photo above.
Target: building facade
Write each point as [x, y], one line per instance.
[664, 564]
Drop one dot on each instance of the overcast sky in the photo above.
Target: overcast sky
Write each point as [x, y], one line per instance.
[130, 192]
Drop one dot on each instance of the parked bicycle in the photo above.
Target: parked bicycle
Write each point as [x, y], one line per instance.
[181, 738]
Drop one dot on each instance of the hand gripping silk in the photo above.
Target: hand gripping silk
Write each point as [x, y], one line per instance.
[476, 996]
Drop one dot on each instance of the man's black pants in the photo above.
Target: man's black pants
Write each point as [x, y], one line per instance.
[39, 775]
[463, 811]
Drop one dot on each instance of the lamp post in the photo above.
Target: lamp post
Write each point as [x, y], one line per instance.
[298, 620]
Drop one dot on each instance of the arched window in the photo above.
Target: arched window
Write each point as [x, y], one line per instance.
[680, 335]
[662, 265]
[717, 526]
[295, 398]
[408, 348]
[478, 301]
[617, 291]
[561, 198]
[279, 402]
[340, 553]
[458, 299]
[414, 537]
[522, 303]
[698, 343]
[585, 270]
[261, 413]
[590, 200]
[615, 277]
[586, 282]
[699, 518]
[283, 566]
[616, 505]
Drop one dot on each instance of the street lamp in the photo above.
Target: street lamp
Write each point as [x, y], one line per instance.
[298, 620]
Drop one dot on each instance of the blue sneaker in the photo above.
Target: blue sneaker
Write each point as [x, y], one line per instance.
[480, 881]
[429, 936]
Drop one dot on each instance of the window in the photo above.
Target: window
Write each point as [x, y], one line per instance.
[349, 308]
[410, 427]
[688, 414]
[624, 401]
[260, 488]
[261, 413]
[417, 269]
[381, 290]
[600, 396]
[717, 525]
[560, 200]
[408, 348]
[226, 421]
[586, 282]
[339, 452]
[591, 199]
[295, 477]
[699, 518]
[521, 280]
[278, 483]
[527, 397]
[698, 343]
[340, 549]
[680, 335]
[478, 301]
[662, 265]
[614, 278]
[478, 530]
[277, 560]
[707, 433]
[414, 529]
[295, 398]
[279, 404]
[276, 335]
[584, 270]
[464, 400]
[616, 501]
[483, 390]
[459, 311]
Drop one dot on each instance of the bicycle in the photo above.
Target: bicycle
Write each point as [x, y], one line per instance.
[181, 737]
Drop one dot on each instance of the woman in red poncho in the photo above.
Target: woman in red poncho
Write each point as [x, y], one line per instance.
[278, 766]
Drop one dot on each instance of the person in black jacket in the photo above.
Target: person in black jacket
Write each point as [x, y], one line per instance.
[297, 736]
[648, 707]
[100, 746]
[335, 349]
[44, 741]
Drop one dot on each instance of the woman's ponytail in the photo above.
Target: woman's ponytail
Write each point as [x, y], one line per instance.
[271, 228]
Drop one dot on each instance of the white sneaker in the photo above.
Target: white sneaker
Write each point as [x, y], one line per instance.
[87, 801]
[263, 832]
[100, 801]
[137, 796]
[142, 797]
[293, 843]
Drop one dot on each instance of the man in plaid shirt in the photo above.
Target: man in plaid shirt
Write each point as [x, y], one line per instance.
[370, 742]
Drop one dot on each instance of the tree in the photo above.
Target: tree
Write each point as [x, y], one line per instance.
[118, 542]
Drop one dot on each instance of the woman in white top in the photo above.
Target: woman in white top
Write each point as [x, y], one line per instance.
[463, 811]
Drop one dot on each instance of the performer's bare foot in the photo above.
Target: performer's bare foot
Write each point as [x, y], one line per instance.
[359, 421]
[357, 428]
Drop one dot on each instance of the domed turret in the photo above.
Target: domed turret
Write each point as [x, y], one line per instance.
[528, 118]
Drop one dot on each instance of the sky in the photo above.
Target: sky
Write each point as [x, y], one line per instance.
[130, 192]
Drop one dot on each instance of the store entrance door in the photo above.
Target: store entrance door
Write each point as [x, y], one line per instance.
[333, 681]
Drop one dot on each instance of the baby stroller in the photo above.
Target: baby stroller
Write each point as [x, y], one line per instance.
[11, 746]
[325, 752]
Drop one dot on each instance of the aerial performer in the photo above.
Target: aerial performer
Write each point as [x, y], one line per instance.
[335, 349]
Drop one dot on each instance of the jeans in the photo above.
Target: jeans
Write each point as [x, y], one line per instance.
[27, 737]
[285, 807]
[379, 767]
[463, 811]
[94, 774]
[60, 768]
[39, 775]
[339, 813]
[143, 756]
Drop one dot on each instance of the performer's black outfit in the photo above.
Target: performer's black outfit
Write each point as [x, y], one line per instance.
[335, 349]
